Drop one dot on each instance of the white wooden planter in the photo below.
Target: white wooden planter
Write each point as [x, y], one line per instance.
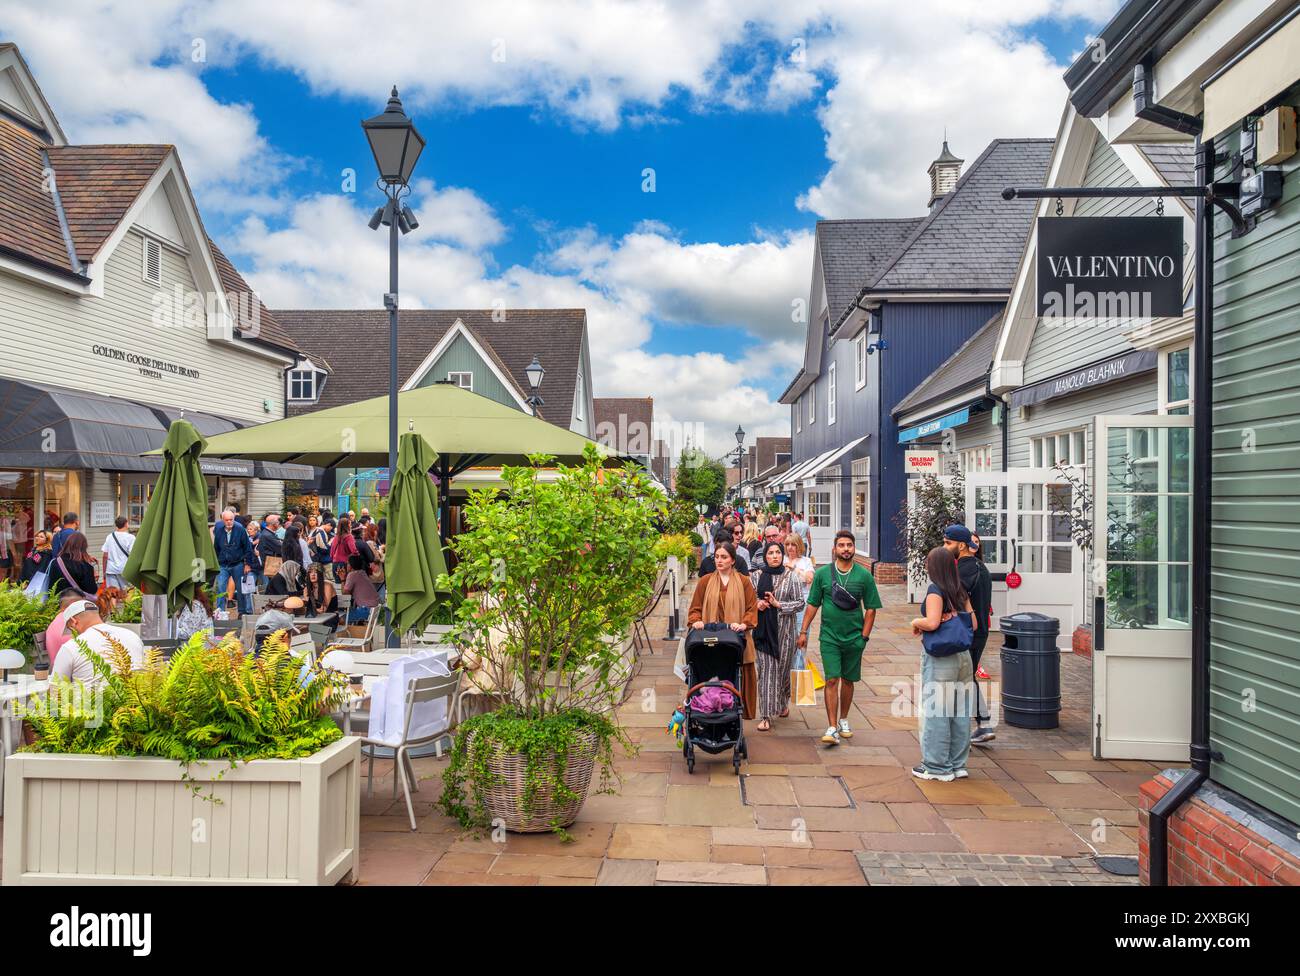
[97, 820]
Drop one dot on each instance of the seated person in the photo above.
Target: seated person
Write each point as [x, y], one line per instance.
[83, 619]
[287, 582]
[320, 594]
[194, 618]
[358, 584]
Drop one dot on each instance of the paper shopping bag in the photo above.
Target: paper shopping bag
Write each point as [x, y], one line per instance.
[802, 691]
[271, 565]
[818, 681]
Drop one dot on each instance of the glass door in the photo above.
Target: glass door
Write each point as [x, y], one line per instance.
[1143, 577]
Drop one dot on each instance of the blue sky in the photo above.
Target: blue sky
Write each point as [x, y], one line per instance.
[540, 119]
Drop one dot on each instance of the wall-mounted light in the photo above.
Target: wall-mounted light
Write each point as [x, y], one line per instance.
[880, 344]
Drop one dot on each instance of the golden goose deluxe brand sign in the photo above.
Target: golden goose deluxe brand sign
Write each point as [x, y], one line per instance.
[1110, 267]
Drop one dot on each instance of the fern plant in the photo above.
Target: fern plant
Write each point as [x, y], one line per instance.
[208, 702]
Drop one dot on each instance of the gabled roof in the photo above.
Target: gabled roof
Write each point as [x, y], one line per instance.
[1174, 161]
[98, 185]
[854, 251]
[972, 239]
[967, 366]
[29, 220]
[616, 416]
[355, 341]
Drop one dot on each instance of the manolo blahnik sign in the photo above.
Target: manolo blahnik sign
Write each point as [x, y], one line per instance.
[1110, 267]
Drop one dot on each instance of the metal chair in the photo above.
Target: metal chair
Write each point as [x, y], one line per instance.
[220, 628]
[165, 645]
[302, 646]
[359, 643]
[418, 691]
[261, 601]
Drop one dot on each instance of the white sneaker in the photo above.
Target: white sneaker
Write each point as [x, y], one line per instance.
[920, 772]
[962, 773]
[845, 731]
[831, 736]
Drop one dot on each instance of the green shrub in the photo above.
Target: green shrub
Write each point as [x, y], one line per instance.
[678, 545]
[129, 610]
[22, 618]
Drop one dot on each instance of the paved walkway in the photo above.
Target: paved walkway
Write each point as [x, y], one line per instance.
[1035, 810]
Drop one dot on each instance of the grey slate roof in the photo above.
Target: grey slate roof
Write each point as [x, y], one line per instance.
[854, 251]
[973, 239]
[968, 365]
[1174, 161]
[355, 342]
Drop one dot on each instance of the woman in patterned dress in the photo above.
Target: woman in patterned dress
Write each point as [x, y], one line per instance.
[780, 600]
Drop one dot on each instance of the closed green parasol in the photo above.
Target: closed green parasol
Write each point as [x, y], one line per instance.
[173, 553]
[413, 559]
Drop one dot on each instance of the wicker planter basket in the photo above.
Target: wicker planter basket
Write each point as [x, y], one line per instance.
[504, 800]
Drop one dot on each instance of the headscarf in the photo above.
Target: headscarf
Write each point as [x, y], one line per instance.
[767, 636]
[289, 572]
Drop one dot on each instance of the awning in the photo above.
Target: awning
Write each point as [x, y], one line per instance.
[1253, 81]
[826, 460]
[954, 419]
[272, 471]
[1088, 378]
[45, 426]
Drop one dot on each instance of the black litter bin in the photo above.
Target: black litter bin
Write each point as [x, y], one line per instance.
[1031, 671]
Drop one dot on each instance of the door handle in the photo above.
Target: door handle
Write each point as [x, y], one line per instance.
[1099, 624]
[1015, 556]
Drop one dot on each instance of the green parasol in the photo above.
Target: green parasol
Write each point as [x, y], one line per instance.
[173, 553]
[413, 559]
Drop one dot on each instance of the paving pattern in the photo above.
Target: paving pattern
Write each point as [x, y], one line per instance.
[1035, 810]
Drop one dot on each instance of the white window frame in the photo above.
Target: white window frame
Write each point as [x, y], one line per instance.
[582, 396]
[1167, 405]
[861, 485]
[301, 374]
[157, 248]
[812, 404]
[860, 360]
[454, 378]
[798, 416]
[1046, 450]
[976, 460]
[830, 395]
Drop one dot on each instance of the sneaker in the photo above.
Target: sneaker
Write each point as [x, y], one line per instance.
[920, 772]
[981, 674]
[962, 773]
[845, 731]
[982, 735]
[831, 736]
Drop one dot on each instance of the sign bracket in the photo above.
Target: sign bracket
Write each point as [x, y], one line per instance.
[1216, 194]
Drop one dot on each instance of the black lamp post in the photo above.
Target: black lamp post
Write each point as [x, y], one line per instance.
[396, 146]
[535, 375]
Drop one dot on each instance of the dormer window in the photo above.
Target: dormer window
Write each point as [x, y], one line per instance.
[305, 382]
[464, 380]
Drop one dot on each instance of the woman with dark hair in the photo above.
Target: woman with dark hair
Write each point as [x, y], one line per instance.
[320, 594]
[726, 595]
[343, 548]
[294, 546]
[73, 568]
[947, 676]
[195, 617]
[319, 540]
[365, 598]
[780, 598]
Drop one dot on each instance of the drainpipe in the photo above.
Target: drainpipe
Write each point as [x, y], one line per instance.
[1201, 754]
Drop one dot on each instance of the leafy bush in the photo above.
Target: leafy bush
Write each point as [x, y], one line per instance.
[682, 517]
[22, 618]
[129, 610]
[937, 507]
[208, 702]
[678, 545]
[559, 566]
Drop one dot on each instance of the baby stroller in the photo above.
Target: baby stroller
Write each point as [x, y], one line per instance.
[713, 660]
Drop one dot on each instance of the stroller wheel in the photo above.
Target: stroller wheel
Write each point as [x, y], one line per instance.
[690, 764]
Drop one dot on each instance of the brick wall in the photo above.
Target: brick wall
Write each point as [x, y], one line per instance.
[1081, 641]
[888, 572]
[1214, 841]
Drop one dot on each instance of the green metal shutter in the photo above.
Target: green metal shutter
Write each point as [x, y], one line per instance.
[1255, 520]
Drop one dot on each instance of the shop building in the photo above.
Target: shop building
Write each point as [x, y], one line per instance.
[892, 300]
[1222, 496]
[117, 315]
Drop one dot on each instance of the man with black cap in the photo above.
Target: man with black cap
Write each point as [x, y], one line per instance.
[978, 584]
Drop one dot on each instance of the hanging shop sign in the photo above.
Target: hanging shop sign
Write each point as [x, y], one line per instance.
[1110, 267]
[922, 462]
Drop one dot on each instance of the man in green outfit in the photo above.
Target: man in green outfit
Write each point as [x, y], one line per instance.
[844, 630]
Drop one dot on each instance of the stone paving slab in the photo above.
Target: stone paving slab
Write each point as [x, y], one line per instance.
[1035, 809]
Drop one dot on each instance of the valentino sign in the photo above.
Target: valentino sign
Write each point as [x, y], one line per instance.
[1110, 267]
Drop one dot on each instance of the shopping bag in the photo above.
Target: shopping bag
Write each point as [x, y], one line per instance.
[271, 565]
[802, 691]
[39, 585]
[818, 681]
[249, 584]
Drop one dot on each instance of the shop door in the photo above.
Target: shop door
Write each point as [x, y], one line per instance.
[988, 516]
[1142, 645]
[1041, 550]
[822, 522]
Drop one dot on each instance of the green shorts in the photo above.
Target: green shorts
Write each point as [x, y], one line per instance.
[842, 662]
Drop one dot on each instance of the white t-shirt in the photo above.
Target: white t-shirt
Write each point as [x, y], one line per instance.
[72, 663]
[114, 552]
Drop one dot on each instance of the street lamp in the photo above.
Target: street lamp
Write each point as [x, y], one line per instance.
[740, 444]
[396, 146]
[535, 374]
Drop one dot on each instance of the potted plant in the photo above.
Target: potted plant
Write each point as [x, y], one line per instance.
[557, 567]
[244, 775]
